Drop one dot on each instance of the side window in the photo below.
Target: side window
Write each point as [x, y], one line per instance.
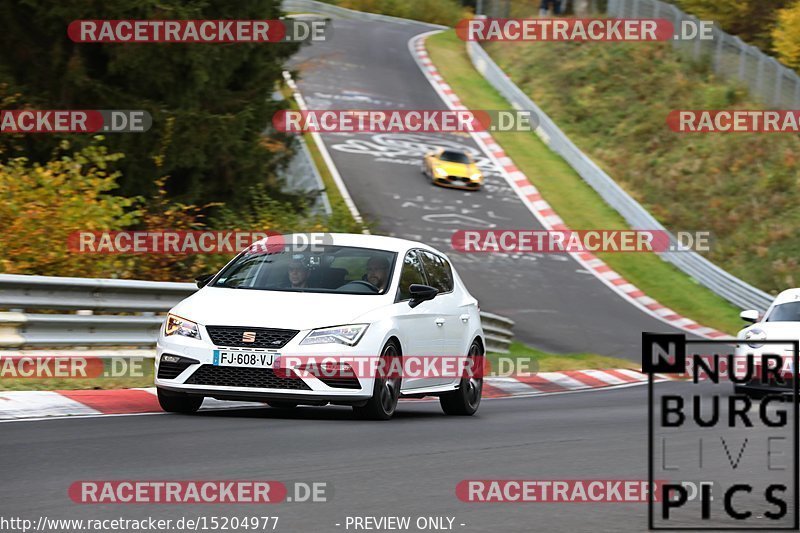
[243, 275]
[438, 270]
[411, 273]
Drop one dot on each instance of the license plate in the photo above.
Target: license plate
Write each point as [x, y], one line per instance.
[247, 359]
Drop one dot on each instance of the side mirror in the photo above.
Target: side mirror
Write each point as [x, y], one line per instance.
[203, 280]
[751, 315]
[421, 293]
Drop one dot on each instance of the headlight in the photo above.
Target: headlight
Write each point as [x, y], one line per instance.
[755, 335]
[440, 171]
[348, 335]
[475, 177]
[180, 326]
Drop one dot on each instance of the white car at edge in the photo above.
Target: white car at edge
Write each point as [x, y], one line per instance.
[226, 341]
[781, 322]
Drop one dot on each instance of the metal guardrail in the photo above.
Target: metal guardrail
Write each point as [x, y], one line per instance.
[52, 292]
[22, 330]
[341, 12]
[497, 332]
[734, 290]
[765, 77]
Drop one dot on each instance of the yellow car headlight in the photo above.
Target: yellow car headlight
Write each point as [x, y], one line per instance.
[476, 177]
[440, 171]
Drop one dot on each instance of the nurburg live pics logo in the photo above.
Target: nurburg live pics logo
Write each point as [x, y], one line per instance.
[731, 457]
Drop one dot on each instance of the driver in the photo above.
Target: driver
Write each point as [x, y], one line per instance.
[378, 272]
[298, 274]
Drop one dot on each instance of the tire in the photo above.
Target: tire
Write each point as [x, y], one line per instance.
[176, 402]
[385, 393]
[465, 400]
[282, 404]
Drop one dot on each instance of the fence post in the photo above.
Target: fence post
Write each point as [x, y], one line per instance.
[720, 37]
[696, 50]
[796, 92]
[677, 19]
[778, 85]
[760, 77]
[742, 60]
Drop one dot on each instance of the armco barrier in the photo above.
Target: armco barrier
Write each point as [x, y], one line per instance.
[302, 6]
[22, 330]
[698, 267]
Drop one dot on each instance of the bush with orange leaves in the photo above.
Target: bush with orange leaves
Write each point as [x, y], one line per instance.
[41, 205]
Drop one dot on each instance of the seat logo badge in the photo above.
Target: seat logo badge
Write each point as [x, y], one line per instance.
[249, 336]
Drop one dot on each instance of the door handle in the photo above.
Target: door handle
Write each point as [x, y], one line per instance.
[464, 318]
[439, 322]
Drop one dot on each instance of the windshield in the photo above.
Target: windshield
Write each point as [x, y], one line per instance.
[788, 312]
[337, 269]
[455, 157]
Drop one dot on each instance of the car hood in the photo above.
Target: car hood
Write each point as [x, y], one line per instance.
[276, 309]
[457, 169]
[776, 330]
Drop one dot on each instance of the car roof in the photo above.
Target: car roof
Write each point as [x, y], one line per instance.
[379, 242]
[789, 295]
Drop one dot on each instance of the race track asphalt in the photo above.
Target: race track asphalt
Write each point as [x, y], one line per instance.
[408, 466]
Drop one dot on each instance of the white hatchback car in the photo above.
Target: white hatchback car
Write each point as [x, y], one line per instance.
[781, 322]
[356, 296]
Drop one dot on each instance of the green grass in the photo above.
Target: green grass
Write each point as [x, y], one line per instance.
[613, 100]
[539, 361]
[142, 379]
[574, 200]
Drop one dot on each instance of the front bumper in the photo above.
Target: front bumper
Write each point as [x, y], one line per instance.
[749, 362]
[200, 376]
[458, 182]
[757, 388]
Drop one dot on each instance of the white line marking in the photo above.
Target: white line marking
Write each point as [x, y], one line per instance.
[604, 377]
[512, 386]
[518, 396]
[18, 404]
[326, 156]
[563, 380]
[638, 376]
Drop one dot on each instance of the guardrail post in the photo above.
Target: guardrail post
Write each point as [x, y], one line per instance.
[10, 325]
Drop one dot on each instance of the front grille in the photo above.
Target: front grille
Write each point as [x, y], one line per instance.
[234, 376]
[172, 370]
[264, 337]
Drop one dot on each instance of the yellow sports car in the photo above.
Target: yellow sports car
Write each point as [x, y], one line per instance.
[452, 168]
